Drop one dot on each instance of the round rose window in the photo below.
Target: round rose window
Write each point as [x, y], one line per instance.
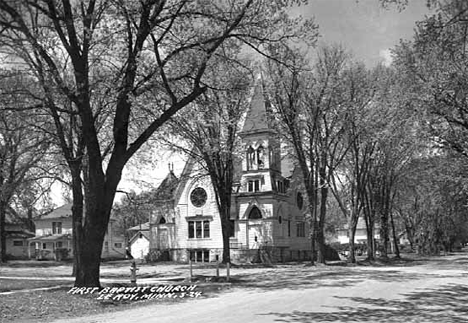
[198, 197]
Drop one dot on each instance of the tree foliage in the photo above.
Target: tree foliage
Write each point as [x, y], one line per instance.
[105, 63]
[23, 157]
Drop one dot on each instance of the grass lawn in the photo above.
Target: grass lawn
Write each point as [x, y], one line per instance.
[47, 305]
[7, 285]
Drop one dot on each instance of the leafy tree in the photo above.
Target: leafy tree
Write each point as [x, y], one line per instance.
[434, 67]
[396, 141]
[210, 133]
[103, 62]
[22, 150]
[314, 105]
[432, 202]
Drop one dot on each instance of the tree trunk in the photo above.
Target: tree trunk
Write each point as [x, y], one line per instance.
[3, 257]
[89, 255]
[77, 217]
[321, 223]
[100, 195]
[352, 254]
[226, 231]
[384, 236]
[312, 241]
[395, 237]
[370, 242]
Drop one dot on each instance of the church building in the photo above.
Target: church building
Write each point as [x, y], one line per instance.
[269, 214]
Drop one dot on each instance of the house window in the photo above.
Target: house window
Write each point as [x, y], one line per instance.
[255, 213]
[191, 230]
[199, 229]
[289, 228]
[118, 245]
[254, 185]
[200, 255]
[280, 187]
[44, 245]
[17, 243]
[56, 227]
[300, 229]
[206, 229]
[260, 157]
[250, 158]
[59, 244]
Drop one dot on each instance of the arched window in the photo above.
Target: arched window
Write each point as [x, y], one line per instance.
[261, 157]
[162, 220]
[250, 158]
[255, 214]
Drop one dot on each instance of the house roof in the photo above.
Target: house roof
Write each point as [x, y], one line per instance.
[64, 211]
[55, 237]
[166, 189]
[12, 217]
[19, 234]
[142, 227]
[137, 235]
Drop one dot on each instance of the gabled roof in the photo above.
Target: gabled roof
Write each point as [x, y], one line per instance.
[53, 237]
[13, 217]
[64, 211]
[19, 234]
[137, 235]
[166, 189]
[142, 227]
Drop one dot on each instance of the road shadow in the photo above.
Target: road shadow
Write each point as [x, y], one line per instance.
[444, 304]
[303, 278]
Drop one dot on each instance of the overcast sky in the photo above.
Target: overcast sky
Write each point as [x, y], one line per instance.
[363, 26]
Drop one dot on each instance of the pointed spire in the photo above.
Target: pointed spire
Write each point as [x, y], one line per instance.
[257, 118]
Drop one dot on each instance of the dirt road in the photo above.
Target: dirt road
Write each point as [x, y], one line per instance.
[434, 291]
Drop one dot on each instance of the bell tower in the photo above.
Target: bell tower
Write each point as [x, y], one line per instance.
[262, 157]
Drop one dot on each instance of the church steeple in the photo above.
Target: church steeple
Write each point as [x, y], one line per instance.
[261, 145]
[258, 118]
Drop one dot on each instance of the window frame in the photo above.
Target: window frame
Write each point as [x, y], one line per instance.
[56, 227]
[18, 243]
[199, 229]
[300, 229]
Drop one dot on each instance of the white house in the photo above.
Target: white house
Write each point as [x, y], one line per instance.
[360, 235]
[53, 239]
[139, 241]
